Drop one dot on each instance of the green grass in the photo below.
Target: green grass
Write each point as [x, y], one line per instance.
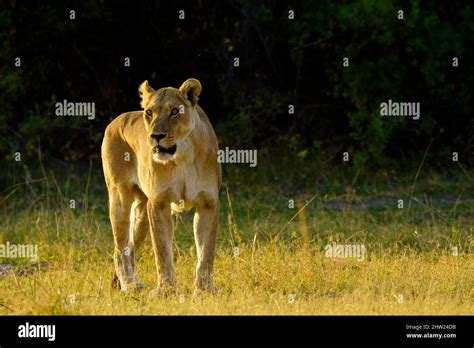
[409, 268]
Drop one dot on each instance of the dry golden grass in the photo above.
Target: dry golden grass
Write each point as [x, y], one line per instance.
[280, 268]
[268, 279]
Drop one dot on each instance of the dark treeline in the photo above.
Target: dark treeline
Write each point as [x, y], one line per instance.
[282, 62]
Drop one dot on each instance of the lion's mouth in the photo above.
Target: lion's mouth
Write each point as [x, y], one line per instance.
[169, 150]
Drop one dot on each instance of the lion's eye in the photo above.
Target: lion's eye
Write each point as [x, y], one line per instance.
[149, 113]
[174, 112]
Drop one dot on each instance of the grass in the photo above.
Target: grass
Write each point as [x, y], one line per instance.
[410, 266]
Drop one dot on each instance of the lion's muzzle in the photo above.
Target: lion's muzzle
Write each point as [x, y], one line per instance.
[160, 149]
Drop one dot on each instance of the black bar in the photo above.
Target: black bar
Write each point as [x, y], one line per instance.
[225, 330]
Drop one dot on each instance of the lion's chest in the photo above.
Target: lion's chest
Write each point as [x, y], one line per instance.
[179, 186]
[185, 186]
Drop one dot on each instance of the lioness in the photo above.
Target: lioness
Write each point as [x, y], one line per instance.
[157, 161]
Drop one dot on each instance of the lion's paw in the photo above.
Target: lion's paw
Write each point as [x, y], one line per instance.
[132, 287]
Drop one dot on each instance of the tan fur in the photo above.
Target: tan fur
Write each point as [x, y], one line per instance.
[146, 189]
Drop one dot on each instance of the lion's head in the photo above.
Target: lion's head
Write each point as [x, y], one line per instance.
[169, 116]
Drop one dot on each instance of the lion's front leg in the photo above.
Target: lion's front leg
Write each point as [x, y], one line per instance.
[205, 230]
[161, 229]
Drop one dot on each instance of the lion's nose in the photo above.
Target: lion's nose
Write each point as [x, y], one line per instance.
[158, 136]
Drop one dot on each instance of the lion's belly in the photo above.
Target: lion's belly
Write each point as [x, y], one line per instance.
[181, 206]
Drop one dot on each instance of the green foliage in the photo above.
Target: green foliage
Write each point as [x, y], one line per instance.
[283, 62]
[407, 60]
[11, 83]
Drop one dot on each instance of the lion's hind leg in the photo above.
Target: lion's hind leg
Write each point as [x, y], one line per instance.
[120, 201]
[139, 227]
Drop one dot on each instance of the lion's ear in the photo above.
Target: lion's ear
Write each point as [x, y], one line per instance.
[145, 92]
[191, 88]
